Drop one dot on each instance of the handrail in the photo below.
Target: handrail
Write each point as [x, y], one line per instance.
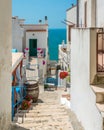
[21, 92]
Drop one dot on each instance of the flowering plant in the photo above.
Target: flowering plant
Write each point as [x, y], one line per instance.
[63, 74]
[28, 97]
[43, 62]
[25, 105]
[26, 48]
[38, 49]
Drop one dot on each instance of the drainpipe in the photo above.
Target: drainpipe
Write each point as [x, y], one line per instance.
[77, 13]
[95, 12]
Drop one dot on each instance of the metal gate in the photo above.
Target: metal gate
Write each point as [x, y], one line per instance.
[100, 52]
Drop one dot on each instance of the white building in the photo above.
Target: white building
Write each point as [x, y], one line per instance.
[36, 39]
[64, 49]
[31, 36]
[63, 57]
[17, 33]
[71, 14]
[87, 64]
[91, 13]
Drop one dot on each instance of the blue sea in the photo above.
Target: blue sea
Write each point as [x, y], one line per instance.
[55, 38]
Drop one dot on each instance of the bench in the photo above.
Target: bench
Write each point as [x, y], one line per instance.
[50, 85]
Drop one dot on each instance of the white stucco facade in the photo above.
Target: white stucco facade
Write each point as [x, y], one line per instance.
[100, 13]
[17, 34]
[5, 64]
[71, 17]
[94, 13]
[40, 33]
[83, 69]
[87, 13]
[71, 14]
[41, 39]
[63, 57]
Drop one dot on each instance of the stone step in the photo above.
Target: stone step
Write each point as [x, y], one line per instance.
[98, 89]
[100, 106]
[47, 107]
[24, 119]
[99, 93]
[47, 124]
[98, 79]
[43, 109]
[46, 104]
[33, 113]
[47, 110]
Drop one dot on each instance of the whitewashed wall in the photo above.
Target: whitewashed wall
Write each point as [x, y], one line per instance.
[41, 37]
[82, 97]
[95, 13]
[71, 16]
[5, 63]
[41, 43]
[100, 13]
[90, 13]
[17, 35]
[42, 68]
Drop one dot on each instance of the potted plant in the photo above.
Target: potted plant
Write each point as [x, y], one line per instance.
[63, 74]
[29, 98]
[25, 105]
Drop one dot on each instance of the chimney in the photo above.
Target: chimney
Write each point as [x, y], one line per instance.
[40, 21]
[46, 20]
[72, 4]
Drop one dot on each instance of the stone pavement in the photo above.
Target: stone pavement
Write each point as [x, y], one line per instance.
[32, 69]
[47, 114]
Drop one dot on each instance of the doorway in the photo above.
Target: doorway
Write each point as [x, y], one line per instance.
[33, 47]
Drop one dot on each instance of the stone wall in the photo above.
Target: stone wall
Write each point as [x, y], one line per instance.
[5, 64]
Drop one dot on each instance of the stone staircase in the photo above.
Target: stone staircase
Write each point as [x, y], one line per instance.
[98, 88]
[43, 116]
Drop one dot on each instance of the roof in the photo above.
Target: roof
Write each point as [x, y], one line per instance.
[34, 24]
[71, 7]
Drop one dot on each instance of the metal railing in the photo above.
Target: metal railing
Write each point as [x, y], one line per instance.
[18, 94]
[100, 52]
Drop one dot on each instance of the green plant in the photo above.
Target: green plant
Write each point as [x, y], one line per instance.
[68, 78]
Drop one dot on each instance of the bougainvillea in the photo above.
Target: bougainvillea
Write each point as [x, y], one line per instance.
[63, 74]
[43, 62]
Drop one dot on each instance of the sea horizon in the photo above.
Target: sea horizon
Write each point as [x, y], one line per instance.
[56, 36]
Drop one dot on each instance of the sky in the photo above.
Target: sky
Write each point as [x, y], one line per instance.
[33, 10]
